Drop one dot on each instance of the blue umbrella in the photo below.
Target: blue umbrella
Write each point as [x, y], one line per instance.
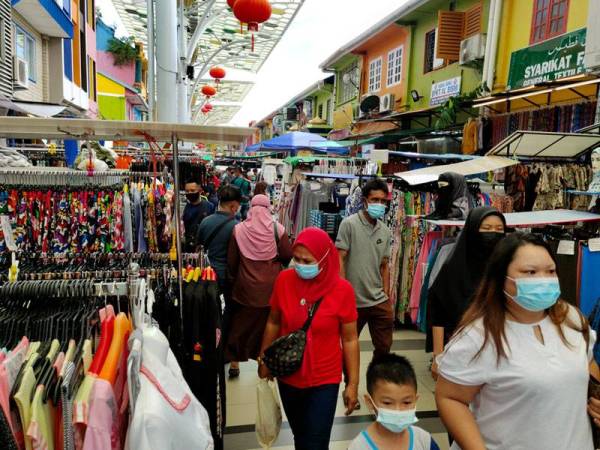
[298, 140]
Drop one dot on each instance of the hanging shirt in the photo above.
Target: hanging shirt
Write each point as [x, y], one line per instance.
[517, 405]
[167, 416]
[40, 430]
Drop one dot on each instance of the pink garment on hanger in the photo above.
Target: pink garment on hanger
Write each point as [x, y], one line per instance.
[415, 293]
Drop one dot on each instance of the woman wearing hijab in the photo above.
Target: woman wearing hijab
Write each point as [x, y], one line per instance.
[256, 253]
[451, 293]
[453, 197]
[309, 396]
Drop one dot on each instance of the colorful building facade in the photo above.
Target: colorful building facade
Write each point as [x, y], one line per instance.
[121, 88]
[539, 60]
[55, 46]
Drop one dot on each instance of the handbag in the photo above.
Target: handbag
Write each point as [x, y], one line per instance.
[284, 356]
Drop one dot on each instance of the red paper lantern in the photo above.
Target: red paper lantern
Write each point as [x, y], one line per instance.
[231, 3]
[218, 73]
[252, 12]
[204, 110]
[208, 107]
[208, 91]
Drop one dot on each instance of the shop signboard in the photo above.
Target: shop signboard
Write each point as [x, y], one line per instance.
[557, 58]
[444, 90]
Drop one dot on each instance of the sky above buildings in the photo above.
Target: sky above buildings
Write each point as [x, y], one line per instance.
[319, 29]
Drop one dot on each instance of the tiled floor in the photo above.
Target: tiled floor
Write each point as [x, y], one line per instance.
[241, 401]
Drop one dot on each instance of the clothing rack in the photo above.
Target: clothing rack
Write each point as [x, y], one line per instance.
[149, 132]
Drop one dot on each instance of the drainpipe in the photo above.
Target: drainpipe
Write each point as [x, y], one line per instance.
[492, 50]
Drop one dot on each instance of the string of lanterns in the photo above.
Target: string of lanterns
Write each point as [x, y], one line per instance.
[250, 12]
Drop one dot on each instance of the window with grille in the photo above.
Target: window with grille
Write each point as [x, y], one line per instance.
[349, 83]
[549, 19]
[431, 42]
[375, 75]
[394, 66]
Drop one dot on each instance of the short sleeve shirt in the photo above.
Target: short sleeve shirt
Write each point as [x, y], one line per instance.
[367, 247]
[535, 398]
[322, 362]
[419, 439]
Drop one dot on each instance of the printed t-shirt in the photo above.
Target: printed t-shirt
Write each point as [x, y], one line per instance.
[534, 399]
[322, 362]
[367, 246]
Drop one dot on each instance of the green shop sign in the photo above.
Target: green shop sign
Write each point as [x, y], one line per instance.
[551, 60]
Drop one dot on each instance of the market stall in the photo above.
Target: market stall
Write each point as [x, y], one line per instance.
[76, 237]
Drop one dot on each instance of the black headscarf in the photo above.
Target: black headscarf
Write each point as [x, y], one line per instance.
[453, 199]
[452, 291]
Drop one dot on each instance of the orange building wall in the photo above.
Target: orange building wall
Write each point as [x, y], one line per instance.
[379, 46]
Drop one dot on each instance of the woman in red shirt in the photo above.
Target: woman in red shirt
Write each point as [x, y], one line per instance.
[309, 396]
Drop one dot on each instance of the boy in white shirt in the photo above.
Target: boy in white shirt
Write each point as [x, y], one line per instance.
[392, 397]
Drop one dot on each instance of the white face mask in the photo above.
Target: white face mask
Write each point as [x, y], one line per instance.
[394, 420]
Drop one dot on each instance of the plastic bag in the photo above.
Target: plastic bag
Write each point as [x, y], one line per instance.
[268, 415]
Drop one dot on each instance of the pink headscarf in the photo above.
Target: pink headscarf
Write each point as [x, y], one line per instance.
[256, 236]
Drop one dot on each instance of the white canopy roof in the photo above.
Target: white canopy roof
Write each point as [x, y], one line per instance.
[110, 130]
[533, 218]
[472, 167]
[538, 144]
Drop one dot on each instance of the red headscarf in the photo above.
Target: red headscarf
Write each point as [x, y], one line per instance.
[320, 245]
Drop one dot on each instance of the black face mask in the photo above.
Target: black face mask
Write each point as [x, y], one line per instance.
[489, 239]
[193, 197]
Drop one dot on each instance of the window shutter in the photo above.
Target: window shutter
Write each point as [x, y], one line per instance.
[451, 25]
[473, 17]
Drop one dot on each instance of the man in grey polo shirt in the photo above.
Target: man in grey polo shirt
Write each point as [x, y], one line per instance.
[364, 244]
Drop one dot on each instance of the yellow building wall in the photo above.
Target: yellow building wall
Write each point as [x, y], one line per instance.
[515, 31]
[107, 86]
[342, 116]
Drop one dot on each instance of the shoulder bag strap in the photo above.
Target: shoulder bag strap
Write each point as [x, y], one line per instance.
[276, 232]
[215, 232]
[311, 313]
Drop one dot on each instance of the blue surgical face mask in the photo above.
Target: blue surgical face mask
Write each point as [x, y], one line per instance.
[396, 421]
[376, 210]
[309, 271]
[536, 294]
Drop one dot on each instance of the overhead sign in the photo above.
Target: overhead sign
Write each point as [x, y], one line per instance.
[444, 90]
[557, 58]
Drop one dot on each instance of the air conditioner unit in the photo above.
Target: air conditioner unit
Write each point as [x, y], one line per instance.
[20, 73]
[386, 103]
[472, 49]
